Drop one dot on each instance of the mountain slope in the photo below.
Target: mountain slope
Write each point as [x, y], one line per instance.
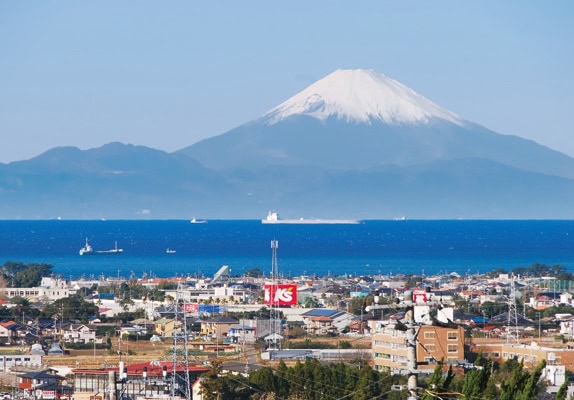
[355, 144]
[465, 188]
[113, 181]
[360, 120]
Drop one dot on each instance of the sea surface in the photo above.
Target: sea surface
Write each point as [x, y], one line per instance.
[410, 246]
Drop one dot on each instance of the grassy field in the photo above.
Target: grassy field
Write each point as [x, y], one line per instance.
[146, 351]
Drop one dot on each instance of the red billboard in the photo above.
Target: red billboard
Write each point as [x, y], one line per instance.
[420, 297]
[190, 308]
[281, 294]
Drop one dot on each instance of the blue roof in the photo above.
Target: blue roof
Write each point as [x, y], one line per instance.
[321, 312]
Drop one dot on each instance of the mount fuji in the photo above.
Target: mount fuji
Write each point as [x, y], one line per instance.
[359, 120]
[355, 144]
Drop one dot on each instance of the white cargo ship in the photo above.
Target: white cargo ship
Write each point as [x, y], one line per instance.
[273, 218]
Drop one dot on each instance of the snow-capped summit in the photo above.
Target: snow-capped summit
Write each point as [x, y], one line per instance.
[361, 96]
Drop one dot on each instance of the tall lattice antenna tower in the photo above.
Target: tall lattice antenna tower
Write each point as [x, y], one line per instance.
[180, 357]
[274, 272]
[512, 322]
[274, 314]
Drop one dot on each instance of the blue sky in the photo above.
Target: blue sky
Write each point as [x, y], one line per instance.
[167, 74]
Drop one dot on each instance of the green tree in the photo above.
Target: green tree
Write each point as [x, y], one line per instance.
[217, 386]
[514, 388]
[265, 379]
[531, 386]
[562, 391]
[367, 384]
[254, 273]
[22, 308]
[73, 307]
[18, 274]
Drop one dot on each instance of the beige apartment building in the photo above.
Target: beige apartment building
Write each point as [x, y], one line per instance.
[531, 354]
[434, 343]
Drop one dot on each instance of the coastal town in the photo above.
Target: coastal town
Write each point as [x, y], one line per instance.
[148, 337]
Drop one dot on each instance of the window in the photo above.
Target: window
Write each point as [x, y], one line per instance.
[452, 348]
[452, 335]
[430, 347]
[430, 335]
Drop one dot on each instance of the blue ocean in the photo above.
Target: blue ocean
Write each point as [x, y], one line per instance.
[411, 246]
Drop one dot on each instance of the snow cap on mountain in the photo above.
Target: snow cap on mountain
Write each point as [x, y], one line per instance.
[361, 96]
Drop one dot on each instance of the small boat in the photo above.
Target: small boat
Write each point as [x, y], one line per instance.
[170, 251]
[198, 221]
[87, 249]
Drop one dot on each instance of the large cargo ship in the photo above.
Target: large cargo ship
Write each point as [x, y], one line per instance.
[273, 218]
[88, 250]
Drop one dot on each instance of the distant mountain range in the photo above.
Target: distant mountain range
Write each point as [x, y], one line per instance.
[354, 144]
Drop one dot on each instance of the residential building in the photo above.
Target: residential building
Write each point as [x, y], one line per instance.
[145, 380]
[242, 334]
[321, 321]
[80, 333]
[219, 326]
[434, 344]
[531, 354]
[44, 384]
[165, 327]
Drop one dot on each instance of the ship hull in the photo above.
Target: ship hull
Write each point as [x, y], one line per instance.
[311, 221]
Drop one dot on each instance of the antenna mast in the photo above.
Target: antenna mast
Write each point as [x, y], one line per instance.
[274, 315]
[512, 323]
[181, 382]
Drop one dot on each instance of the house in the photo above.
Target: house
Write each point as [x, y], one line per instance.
[567, 327]
[80, 333]
[321, 321]
[11, 332]
[218, 326]
[242, 334]
[46, 383]
[197, 389]
[165, 326]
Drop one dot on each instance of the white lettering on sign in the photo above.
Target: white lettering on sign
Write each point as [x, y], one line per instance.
[285, 295]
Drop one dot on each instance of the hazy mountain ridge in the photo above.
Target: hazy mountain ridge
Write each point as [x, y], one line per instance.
[355, 144]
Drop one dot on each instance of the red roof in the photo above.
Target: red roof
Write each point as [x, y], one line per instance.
[154, 368]
[321, 318]
[488, 328]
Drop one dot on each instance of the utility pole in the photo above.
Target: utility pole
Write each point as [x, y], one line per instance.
[538, 313]
[411, 339]
[411, 336]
